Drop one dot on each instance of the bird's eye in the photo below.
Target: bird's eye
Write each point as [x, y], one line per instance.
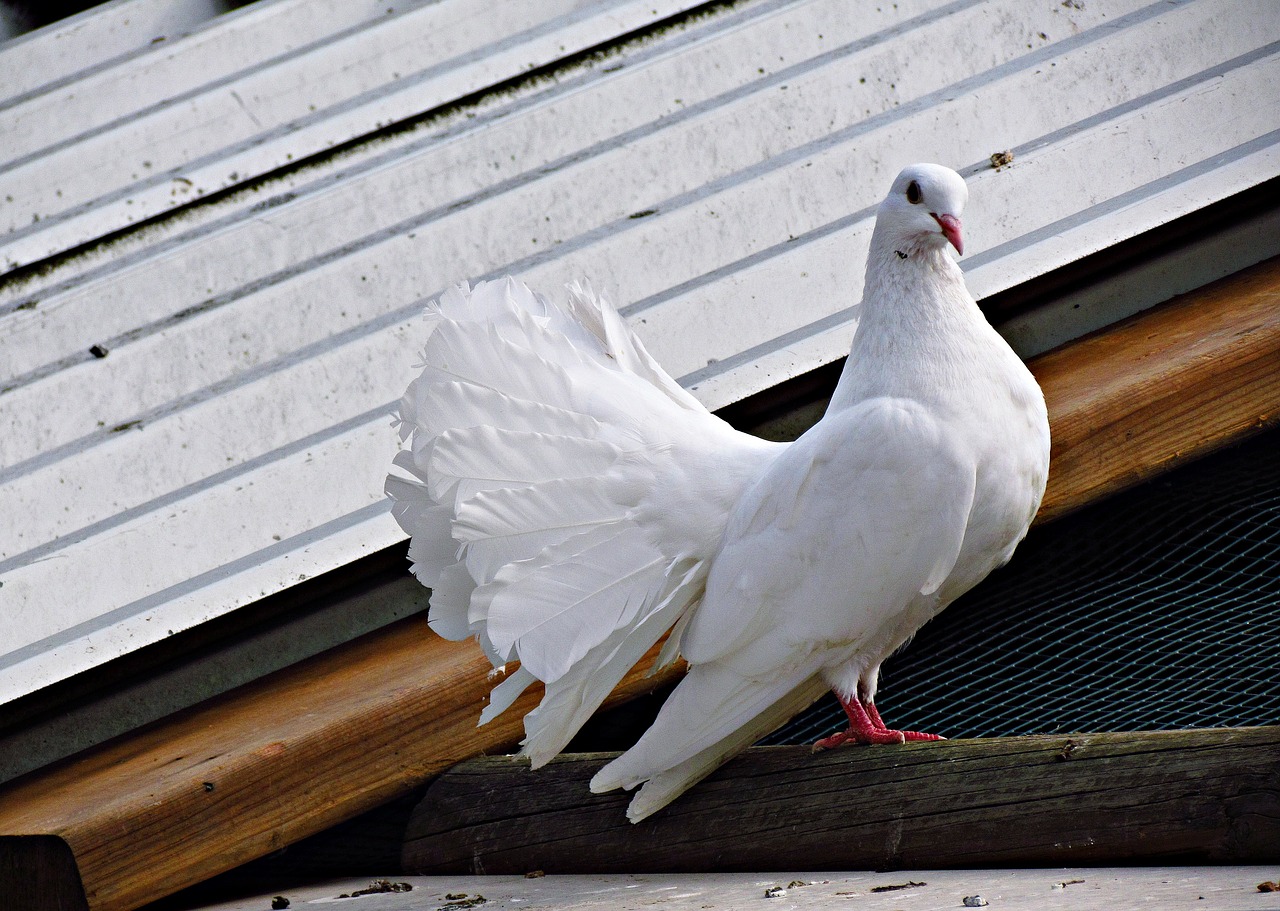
[913, 192]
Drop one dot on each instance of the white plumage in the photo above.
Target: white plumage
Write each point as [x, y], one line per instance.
[569, 503]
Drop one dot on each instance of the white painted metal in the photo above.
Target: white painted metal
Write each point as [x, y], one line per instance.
[1161, 277]
[171, 62]
[34, 61]
[195, 144]
[718, 179]
[608, 114]
[101, 473]
[565, 207]
[255, 195]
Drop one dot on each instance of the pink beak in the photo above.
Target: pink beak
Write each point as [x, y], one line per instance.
[951, 229]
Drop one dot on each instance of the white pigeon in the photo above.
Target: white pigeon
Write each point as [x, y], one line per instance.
[569, 504]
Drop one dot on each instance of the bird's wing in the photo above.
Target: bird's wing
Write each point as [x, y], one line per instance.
[563, 493]
[863, 515]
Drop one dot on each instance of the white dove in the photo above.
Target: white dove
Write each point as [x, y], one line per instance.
[569, 503]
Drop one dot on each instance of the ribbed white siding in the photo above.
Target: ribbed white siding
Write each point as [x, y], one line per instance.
[716, 179]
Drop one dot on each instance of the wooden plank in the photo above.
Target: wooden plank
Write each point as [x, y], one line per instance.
[274, 762]
[1162, 388]
[1189, 796]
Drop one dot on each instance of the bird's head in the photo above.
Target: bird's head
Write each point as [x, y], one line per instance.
[922, 211]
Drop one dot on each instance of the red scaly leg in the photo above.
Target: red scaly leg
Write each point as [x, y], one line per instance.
[866, 726]
[863, 728]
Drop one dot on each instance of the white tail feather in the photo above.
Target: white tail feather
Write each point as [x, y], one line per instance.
[435, 407]
[572, 699]
[503, 526]
[450, 601]
[553, 617]
[505, 693]
[624, 346]
[481, 456]
[538, 437]
[480, 356]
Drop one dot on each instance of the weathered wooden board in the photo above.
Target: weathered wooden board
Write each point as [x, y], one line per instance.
[1207, 795]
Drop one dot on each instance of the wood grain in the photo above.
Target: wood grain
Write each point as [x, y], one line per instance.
[1198, 796]
[1162, 388]
[280, 759]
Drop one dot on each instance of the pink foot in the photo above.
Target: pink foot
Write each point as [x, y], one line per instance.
[874, 715]
[866, 726]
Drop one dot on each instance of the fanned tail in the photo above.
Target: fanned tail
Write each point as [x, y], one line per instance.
[563, 493]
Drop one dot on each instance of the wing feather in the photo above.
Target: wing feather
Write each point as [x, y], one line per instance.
[839, 489]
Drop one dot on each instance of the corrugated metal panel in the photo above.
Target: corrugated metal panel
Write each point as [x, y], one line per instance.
[141, 156]
[40, 61]
[718, 178]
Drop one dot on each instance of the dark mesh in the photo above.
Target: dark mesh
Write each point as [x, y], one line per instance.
[1155, 609]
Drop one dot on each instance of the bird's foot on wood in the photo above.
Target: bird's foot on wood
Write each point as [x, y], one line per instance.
[908, 736]
[866, 726]
[845, 738]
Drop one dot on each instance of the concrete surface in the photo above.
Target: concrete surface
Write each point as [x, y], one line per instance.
[1101, 889]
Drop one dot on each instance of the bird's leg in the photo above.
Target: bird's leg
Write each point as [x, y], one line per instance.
[863, 727]
[874, 714]
[866, 726]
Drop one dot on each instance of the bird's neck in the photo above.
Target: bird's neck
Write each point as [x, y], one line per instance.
[920, 334]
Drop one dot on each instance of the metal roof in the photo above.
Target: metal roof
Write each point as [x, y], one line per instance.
[218, 244]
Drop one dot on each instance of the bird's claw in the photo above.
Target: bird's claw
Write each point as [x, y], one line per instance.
[850, 737]
[866, 726]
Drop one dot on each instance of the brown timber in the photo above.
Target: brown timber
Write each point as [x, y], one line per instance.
[1200, 796]
[1162, 388]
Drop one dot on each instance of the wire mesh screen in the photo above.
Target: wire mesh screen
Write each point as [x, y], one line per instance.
[1155, 609]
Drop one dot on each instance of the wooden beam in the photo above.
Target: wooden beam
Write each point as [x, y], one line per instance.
[1187, 796]
[290, 755]
[1162, 388]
